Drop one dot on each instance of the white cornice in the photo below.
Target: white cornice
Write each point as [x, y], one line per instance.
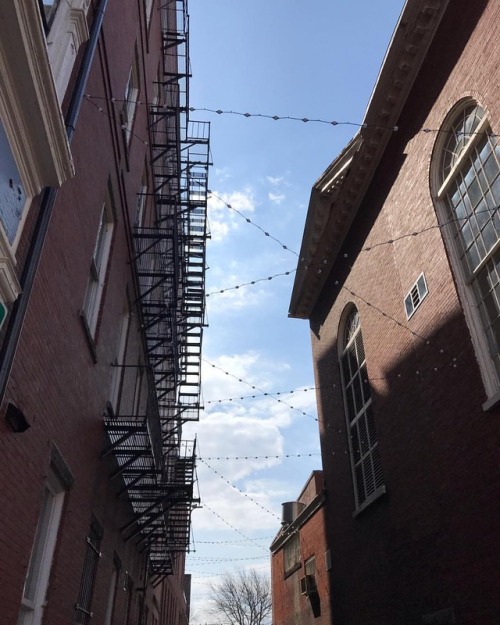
[330, 214]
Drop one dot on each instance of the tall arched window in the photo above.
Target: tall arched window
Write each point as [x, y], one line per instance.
[363, 442]
[467, 176]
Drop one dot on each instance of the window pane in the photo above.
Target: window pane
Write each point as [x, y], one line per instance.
[359, 413]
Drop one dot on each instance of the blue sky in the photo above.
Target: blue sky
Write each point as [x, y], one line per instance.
[318, 60]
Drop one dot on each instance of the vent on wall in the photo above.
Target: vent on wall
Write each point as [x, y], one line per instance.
[415, 297]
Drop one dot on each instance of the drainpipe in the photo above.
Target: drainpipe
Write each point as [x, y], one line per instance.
[18, 313]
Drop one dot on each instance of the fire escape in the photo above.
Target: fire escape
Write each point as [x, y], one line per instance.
[156, 465]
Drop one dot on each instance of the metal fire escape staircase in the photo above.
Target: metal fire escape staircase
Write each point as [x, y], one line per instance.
[156, 465]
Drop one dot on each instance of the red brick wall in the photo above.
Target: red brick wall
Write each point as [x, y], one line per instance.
[55, 380]
[432, 542]
[289, 606]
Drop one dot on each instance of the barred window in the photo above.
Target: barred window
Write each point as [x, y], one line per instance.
[92, 555]
[363, 441]
[291, 552]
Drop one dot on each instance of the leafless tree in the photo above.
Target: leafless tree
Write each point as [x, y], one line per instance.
[243, 598]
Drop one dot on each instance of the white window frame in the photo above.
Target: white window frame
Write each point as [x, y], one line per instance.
[439, 188]
[68, 31]
[148, 8]
[38, 574]
[142, 197]
[131, 97]
[359, 416]
[113, 587]
[117, 375]
[98, 268]
[291, 553]
[416, 296]
[35, 130]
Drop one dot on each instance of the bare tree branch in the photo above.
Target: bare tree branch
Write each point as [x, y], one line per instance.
[243, 598]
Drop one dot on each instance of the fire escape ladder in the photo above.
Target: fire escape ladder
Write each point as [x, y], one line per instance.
[155, 465]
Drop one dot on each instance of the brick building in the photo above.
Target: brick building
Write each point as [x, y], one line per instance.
[103, 182]
[399, 279]
[300, 561]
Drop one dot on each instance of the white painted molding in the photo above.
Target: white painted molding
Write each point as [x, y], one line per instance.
[29, 106]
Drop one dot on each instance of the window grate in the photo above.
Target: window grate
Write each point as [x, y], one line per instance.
[92, 555]
[416, 296]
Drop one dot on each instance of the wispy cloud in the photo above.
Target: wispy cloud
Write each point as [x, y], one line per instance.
[275, 180]
[221, 218]
[277, 198]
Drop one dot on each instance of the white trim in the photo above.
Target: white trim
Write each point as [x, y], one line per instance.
[463, 283]
[67, 33]
[98, 268]
[38, 574]
[117, 375]
[29, 106]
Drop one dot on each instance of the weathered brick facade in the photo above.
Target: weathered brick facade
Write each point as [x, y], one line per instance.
[290, 604]
[426, 550]
[62, 375]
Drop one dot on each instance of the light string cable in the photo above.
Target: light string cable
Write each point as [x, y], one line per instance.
[230, 542]
[247, 538]
[303, 261]
[268, 457]
[238, 489]
[257, 396]
[304, 120]
[276, 399]
[249, 221]
[307, 264]
[251, 283]
[202, 560]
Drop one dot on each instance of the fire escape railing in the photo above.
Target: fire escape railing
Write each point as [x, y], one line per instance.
[157, 467]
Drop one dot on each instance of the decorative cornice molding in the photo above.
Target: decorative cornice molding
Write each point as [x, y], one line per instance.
[337, 195]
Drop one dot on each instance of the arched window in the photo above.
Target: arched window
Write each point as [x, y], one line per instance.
[467, 179]
[363, 442]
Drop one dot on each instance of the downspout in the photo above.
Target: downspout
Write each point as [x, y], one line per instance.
[18, 313]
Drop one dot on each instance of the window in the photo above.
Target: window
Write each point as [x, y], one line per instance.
[131, 98]
[467, 178]
[117, 376]
[37, 578]
[48, 10]
[92, 555]
[98, 267]
[363, 441]
[110, 608]
[415, 297]
[141, 199]
[148, 6]
[291, 553]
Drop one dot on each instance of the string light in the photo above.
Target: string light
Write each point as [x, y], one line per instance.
[252, 540]
[279, 401]
[208, 560]
[239, 490]
[229, 542]
[249, 221]
[271, 457]
[239, 286]
[300, 390]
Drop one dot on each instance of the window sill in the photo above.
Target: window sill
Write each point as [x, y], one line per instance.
[381, 490]
[492, 402]
[292, 570]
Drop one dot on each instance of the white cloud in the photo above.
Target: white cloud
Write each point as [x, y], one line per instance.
[221, 217]
[275, 180]
[277, 198]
